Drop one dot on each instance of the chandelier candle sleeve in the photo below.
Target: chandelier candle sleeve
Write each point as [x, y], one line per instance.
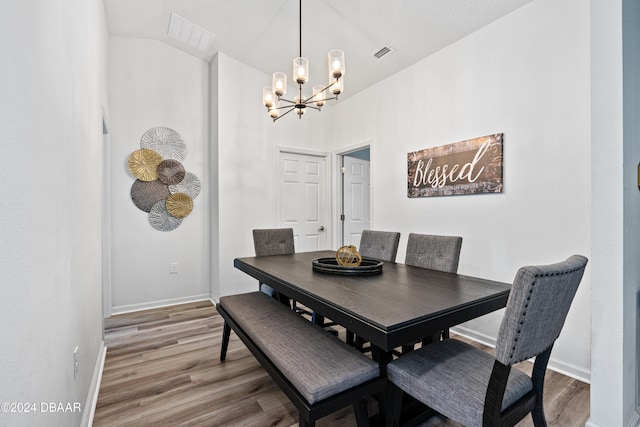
[336, 88]
[318, 95]
[279, 84]
[336, 63]
[301, 70]
[267, 96]
[299, 104]
[274, 111]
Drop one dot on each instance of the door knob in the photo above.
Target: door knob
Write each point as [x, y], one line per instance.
[321, 228]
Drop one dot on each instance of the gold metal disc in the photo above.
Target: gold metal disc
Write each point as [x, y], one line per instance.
[179, 205]
[143, 164]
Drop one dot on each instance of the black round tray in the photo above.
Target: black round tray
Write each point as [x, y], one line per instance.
[367, 267]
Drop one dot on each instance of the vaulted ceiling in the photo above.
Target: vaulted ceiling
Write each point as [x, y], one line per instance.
[264, 34]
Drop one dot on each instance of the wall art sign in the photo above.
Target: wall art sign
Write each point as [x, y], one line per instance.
[466, 167]
[162, 187]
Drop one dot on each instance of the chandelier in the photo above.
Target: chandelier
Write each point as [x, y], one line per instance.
[272, 96]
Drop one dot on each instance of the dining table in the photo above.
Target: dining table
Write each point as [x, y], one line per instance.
[398, 306]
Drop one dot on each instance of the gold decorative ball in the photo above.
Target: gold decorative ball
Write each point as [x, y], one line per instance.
[348, 256]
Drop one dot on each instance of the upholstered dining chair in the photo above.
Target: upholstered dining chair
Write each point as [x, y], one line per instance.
[381, 245]
[276, 241]
[440, 253]
[273, 241]
[474, 388]
[435, 252]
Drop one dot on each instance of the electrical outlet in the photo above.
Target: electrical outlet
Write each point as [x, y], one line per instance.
[173, 268]
[76, 362]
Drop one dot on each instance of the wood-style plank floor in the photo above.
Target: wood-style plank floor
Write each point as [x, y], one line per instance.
[162, 369]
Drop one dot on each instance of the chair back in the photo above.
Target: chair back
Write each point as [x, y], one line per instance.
[273, 241]
[434, 252]
[537, 307]
[381, 245]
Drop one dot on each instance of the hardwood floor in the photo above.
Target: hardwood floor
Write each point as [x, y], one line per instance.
[162, 369]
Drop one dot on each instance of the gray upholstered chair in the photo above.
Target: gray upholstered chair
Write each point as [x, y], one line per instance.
[440, 253]
[273, 241]
[381, 245]
[474, 388]
[276, 241]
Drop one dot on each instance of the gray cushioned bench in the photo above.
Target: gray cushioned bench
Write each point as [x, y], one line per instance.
[319, 373]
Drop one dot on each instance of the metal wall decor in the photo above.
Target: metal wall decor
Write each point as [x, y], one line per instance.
[162, 187]
[190, 185]
[466, 167]
[170, 172]
[143, 164]
[166, 142]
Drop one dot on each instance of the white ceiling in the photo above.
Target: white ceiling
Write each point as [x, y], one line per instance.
[264, 33]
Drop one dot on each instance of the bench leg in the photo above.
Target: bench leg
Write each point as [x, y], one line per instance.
[302, 422]
[226, 334]
[361, 413]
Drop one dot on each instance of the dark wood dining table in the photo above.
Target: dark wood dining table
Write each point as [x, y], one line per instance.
[400, 306]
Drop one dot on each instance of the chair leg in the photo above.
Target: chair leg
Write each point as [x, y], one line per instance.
[360, 411]
[226, 334]
[351, 338]
[406, 348]
[394, 405]
[539, 368]
[539, 419]
[445, 334]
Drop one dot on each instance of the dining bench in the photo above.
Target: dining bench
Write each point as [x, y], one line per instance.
[319, 373]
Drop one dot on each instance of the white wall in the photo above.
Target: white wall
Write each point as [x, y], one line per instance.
[53, 74]
[152, 84]
[527, 76]
[247, 143]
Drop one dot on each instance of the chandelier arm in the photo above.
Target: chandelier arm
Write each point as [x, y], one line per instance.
[285, 113]
[325, 88]
[286, 100]
[311, 101]
[312, 106]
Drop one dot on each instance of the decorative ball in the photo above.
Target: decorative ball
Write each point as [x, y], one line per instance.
[348, 256]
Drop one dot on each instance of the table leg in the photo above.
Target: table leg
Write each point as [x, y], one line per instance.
[318, 319]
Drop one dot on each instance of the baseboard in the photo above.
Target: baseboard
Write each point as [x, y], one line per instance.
[92, 396]
[475, 336]
[634, 422]
[556, 365]
[157, 304]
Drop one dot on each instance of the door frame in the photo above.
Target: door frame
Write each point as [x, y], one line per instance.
[328, 185]
[106, 215]
[338, 189]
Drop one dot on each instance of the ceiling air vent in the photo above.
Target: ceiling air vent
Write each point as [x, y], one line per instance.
[189, 33]
[382, 52]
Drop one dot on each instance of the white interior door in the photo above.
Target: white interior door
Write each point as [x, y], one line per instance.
[356, 187]
[303, 199]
